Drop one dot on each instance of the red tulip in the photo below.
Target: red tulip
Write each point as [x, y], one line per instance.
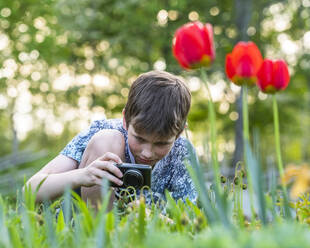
[243, 63]
[273, 76]
[193, 45]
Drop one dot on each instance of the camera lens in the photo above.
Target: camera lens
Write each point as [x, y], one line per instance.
[133, 178]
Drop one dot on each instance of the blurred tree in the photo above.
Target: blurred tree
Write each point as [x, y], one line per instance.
[141, 32]
[64, 63]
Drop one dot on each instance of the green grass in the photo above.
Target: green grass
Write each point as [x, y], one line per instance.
[218, 220]
[23, 226]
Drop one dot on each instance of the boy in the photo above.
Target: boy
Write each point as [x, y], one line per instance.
[149, 133]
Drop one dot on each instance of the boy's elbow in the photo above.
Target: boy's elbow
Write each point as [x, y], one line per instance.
[107, 141]
[30, 187]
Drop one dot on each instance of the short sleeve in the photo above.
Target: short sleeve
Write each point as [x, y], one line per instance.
[181, 185]
[76, 147]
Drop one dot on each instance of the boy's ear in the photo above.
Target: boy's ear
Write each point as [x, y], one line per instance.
[124, 121]
[185, 127]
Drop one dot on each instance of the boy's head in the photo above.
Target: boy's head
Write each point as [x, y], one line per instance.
[158, 104]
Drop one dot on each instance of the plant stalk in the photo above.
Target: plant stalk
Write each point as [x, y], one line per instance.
[246, 139]
[212, 133]
[277, 136]
[279, 156]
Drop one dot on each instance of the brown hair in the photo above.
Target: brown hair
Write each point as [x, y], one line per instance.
[158, 103]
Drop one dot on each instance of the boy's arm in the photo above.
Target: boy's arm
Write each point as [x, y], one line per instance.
[62, 171]
[105, 141]
[57, 174]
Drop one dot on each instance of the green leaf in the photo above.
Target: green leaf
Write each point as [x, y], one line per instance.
[60, 222]
[15, 238]
[257, 180]
[141, 219]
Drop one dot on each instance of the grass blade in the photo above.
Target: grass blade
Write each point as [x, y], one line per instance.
[197, 177]
[257, 180]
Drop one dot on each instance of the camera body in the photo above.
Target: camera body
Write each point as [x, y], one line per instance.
[134, 175]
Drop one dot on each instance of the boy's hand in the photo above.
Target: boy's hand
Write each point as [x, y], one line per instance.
[100, 168]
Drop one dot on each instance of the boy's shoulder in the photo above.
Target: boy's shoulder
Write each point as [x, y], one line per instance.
[107, 124]
[75, 148]
[180, 149]
[181, 142]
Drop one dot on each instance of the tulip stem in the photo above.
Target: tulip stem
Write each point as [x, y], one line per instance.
[277, 135]
[246, 139]
[212, 133]
[279, 156]
[245, 114]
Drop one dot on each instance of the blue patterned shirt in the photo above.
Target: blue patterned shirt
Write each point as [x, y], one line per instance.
[169, 173]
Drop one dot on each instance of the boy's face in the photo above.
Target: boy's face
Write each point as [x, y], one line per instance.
[148, 149]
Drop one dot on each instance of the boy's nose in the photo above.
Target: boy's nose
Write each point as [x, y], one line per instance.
[147, 152]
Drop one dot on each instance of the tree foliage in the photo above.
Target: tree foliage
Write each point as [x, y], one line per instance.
[64, 63]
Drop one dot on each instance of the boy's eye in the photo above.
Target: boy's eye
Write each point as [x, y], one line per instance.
[161, 144]
[139, 139]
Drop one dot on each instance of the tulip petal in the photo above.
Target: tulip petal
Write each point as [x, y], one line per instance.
[255, 55]
[273, 76]
[193, 45]
[264, 74]
[281, 75]
[245, 67]
[229, 67]
[177, 52]
[248, 55]
[209, 44]
[188, 47]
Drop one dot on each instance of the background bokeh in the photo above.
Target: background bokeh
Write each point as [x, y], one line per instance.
[64, 63]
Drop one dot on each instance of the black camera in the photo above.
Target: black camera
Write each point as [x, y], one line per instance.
[134, 175]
